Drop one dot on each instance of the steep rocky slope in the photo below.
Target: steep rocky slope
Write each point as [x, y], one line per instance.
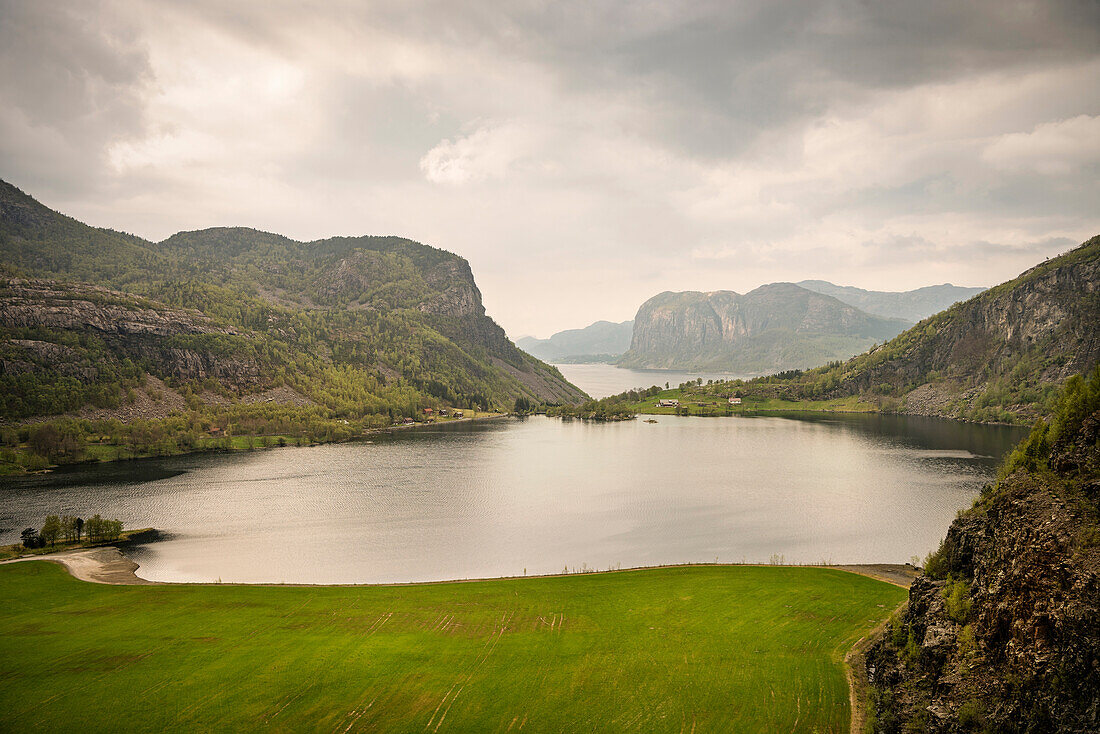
[1002, 633]
[1000, 356]
[1007, 348]
[775, 327]
[370, 327]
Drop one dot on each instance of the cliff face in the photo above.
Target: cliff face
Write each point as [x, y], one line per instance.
[125, 327]
[379, 325]
[1003, 633]
[775, 327]
[1009, 345]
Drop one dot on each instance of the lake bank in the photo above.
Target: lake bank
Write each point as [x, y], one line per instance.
[106, 453]
[107, 564]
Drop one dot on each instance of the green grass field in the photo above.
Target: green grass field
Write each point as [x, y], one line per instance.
[708, 648]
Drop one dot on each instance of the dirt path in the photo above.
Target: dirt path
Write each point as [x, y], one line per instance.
[104, 565]
[891, 573]
[855, 662]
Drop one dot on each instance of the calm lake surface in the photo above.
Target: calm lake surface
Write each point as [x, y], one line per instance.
[602, 380]
[538, 494]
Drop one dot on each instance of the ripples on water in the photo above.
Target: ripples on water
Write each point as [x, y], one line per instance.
[538, 494]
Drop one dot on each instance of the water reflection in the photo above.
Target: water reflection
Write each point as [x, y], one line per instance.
[490, 499]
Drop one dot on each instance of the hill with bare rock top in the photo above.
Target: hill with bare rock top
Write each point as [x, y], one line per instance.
[776, 327]
[1000, 356]
[363, 330]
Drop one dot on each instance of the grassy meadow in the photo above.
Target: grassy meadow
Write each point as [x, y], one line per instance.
[706, 648]
[692, 403]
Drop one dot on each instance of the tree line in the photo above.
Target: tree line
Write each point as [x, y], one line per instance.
[71, 529]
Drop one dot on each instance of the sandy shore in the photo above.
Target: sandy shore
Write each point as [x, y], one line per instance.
[108, 565]
[103, 565]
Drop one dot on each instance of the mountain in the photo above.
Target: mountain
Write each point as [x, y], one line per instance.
[357, 330]
[999, 356]
[598, 342]
[776, 327]
[911, 306]
[1002, 630]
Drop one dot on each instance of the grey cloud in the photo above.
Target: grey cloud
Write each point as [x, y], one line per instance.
[73, 77]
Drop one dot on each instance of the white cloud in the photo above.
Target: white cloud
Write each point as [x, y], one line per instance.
[1050, 149]
[491, 151]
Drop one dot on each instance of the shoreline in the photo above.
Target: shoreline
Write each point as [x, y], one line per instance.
[107, 564]
[362, 437]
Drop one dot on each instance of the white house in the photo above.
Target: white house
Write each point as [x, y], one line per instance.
[669, 403]
[735, 401]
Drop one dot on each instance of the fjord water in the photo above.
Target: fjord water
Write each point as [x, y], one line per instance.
[536, 495]
[601, 380]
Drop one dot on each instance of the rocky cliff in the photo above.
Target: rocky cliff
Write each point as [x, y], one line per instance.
[371, 327]
[114, 326]
[773, 328]
[1006, 349]
[1002, 633]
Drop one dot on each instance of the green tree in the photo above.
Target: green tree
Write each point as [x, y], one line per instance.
[51, 529]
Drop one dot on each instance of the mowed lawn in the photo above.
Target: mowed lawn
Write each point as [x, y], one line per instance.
[710, 648]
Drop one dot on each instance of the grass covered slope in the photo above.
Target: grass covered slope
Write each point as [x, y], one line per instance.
[703, 648]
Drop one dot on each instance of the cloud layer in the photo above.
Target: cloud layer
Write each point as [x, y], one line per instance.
[582, 155]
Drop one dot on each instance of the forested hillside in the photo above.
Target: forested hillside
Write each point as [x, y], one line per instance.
[1000, 356]
[339, 332]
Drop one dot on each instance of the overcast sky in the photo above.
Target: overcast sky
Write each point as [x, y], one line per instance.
[583, 156]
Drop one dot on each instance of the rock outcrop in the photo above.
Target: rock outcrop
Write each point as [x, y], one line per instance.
[1004, 347]
[129, 327]
[1003, 632]
[773, 328]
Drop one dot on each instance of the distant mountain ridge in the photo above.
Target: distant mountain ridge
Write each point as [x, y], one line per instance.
[773, 328]
[597, 342]
[911, 306]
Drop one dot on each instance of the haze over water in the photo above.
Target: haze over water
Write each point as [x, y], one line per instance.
[603, 380]
[537, 495]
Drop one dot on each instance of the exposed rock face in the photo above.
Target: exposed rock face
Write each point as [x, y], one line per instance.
[1025, 655]
[456, 293]
[79, 306]
[133, 327]
[773, 328]
[1046, 319]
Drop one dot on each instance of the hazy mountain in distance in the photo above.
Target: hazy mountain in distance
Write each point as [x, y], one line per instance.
[776, 327]
[599, 342]
[911, 306]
